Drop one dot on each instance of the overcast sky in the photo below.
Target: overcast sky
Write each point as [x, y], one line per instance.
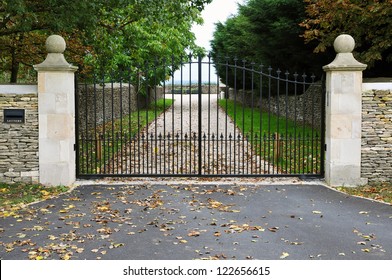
[217, 11]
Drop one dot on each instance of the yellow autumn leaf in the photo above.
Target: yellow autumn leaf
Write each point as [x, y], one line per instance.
[45, 193]
[103, 208]
[284, 255]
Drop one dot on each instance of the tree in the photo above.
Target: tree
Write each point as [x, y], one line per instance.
[105, 32]
[369, 22]
[25, 24]
[267, 32]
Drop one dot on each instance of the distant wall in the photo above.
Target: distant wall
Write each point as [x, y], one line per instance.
[19, 141]
[301, 107]
[99, 104]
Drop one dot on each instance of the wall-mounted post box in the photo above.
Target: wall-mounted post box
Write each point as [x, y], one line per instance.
[14, 115]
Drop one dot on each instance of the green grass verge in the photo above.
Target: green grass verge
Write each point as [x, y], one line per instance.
[292, 147]
[14, 196]
[380, 192]
[97, 150]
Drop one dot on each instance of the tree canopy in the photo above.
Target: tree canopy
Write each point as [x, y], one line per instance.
[369, 22]
[267, 32]
[100, 34]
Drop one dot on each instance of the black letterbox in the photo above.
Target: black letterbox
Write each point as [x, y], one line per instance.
[14, 115]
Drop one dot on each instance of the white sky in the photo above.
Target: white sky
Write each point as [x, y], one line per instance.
[217, 11]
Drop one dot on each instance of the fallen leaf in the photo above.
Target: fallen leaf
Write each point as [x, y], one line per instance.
[103, 208]
[52, 237]
[217, 234]
[94, 250]
[273, 229]
[194, 233]
[20, 235]
[296, 243]
[118, 245]
[284, 255]
[365, 250]
[79, 250]
[183, 241]
[316, 212]
[363, 212]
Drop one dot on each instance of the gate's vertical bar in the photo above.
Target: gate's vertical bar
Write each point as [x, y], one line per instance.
[155, 150]
[209, 120]
[147, 89]
[243, 114]
[312, 136]
[252, 119]
[220, 135]
[262, 151]
[199, 114]
[190, 114]
[96, 136]
[278, 121]
[138, 119]
[235, 113]
[269, 121]
[171, 145]
[112, 122]
[104, 126]
[86, 125]
[129, 169]
[182, 117]
[286, 156]
[121, 124]
[295, 122]
[228, 169]
[303, 124]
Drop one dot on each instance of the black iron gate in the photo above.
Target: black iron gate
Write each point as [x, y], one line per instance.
[183, 119]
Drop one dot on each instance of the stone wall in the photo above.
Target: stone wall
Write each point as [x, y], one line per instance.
[102, 103]
[19, 141]
[377, 136]
[301, 107]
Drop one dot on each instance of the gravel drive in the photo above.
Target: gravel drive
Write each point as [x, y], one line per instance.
[170, 144]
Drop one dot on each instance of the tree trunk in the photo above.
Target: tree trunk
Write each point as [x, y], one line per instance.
[14, 68]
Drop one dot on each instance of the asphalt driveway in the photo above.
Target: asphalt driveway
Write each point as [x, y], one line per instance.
[209, 221]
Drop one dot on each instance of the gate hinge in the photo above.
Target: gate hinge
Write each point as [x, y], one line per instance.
[325, 147]
[75, 147]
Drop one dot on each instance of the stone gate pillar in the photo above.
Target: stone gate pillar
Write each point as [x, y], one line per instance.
[343, 115]
[56, 107]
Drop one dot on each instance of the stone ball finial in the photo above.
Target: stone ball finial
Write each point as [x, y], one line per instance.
[344, 44]
[55, 44]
